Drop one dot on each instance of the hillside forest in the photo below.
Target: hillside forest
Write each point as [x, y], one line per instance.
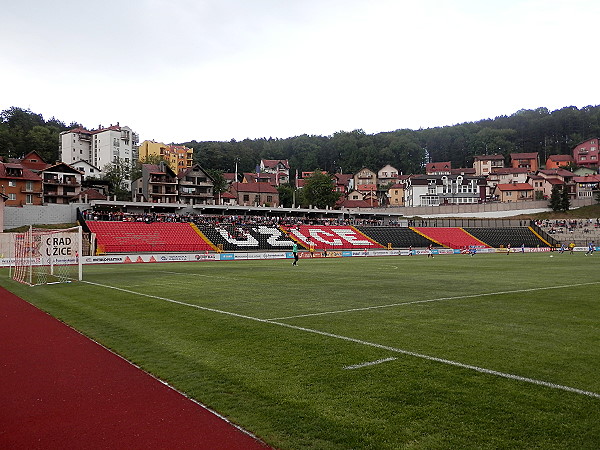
[540, 130]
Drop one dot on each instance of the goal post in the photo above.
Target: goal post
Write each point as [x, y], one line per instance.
[46, 256]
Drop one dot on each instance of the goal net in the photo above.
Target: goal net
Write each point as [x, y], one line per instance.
[44, 256]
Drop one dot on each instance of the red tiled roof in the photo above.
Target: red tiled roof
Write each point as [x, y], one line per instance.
[447, 165]
[515, 187]
[260, 187]
[523, 155]
[587, 179]
[27, 174]
[560, 158]
[558, 172]
[272, 163]
[509, 170]
[554, 181]
[463, 170]
[92, 194]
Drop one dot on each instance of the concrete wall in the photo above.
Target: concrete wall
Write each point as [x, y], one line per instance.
[41, 215]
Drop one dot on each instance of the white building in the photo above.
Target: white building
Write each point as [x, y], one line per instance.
[88, 170]
[99, 147]
[436, 190]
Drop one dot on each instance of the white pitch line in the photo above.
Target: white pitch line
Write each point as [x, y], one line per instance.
[440, 299]
[370, 363]
[369, 344]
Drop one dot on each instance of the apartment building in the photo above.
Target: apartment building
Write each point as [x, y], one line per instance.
[586, 153]
[99, 147]
[179, 157]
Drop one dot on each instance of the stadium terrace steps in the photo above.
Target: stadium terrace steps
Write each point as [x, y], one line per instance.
[450, 237]
[130, 237]
[331, 237]
[232, 237]
[399, 237]
[513, 236]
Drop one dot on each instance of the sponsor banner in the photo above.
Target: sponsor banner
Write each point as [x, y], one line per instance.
[206, 257]
[447, 251]
[226, 256]
[273, 255]
[386, 253]
[346, 253]
[171, 258]
[103, 259]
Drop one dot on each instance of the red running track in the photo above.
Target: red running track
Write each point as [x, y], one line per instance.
[59, 389]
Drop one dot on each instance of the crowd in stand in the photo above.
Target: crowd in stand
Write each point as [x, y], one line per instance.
[207, 219]
[568, 226]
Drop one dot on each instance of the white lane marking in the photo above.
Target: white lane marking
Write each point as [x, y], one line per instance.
[370, 363]
[440, 299]
[369, 344]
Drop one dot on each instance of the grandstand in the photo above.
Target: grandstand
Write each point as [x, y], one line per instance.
[162, 237]
[450, 237]
[230, 237]
[136, 237]
[503, 237]
[398, 237]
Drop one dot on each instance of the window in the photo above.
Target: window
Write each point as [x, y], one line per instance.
[12, 183]
[29, 186]
[246, 197]
[12, 196]
[29, 199]
[269, 198]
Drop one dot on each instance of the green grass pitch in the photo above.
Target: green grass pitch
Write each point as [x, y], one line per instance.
[490, 351]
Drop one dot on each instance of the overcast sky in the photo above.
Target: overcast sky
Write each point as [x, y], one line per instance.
[177, 70]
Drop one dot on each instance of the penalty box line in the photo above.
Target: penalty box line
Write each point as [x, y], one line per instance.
[366, 343]
[431, 300]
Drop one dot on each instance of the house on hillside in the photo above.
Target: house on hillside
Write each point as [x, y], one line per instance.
[586, 153]
[60, 183]
[563, 175]
[558, 161]
[88, 170]
[438, 168]
[395, 195]
[514, 192]
[435, 190]
[33, 161]
[365, 176]
[587, 186]
[158, 184]
[280, 168]
[485, 164]
[529, 161]
[344, 182]
[255, 194]
[195, 186]
[387, 175]
[20, 185]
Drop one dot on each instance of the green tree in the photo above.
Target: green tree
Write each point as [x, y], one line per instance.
[118, 174]
[286, 195]
[319, 191]
[219, 181]
[565, 201]
[555, 199]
